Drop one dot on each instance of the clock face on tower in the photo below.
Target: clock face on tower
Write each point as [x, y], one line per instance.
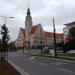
[66, 31]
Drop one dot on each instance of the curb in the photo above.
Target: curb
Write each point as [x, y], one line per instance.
[22, 72]
[56, 59]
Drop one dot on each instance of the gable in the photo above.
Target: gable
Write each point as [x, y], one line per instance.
[21, 33]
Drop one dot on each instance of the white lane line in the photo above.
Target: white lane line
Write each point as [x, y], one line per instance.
[43, 64]
[58, 63]
[23, 72]
[66, 70]
[31, 58]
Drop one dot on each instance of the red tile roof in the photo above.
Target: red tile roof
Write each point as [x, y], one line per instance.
[34, 28]
[48, 34]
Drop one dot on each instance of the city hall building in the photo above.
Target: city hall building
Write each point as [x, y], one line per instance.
[33, 36]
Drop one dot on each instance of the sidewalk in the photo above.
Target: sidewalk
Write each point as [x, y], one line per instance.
[18, 68]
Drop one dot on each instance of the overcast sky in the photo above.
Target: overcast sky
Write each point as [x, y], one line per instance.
[42, 11]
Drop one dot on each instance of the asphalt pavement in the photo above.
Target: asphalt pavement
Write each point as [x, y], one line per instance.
[41, 66]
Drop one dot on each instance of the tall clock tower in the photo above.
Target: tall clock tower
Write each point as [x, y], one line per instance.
[28, 28]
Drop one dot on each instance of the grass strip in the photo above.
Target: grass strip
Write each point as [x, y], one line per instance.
[70, 57]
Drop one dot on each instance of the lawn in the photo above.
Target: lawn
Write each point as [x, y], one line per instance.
[67, 56]
[7, 69]
[48, 55]
[63, 56]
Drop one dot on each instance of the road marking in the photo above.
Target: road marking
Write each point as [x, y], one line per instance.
[43, 64]
[58, 63]
[66, 70]
[31, 58]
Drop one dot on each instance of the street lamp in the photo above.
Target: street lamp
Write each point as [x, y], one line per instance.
[5, 18]
[55, 52]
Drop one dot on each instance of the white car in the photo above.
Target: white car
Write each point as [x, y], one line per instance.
[71, 51]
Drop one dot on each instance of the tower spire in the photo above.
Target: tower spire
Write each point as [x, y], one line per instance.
[28, 10]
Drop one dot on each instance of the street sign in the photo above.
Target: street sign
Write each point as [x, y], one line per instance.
[66, 31]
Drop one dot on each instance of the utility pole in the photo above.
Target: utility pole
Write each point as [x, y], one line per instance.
[55, 52]
[23, 47]
[37, 42]
[41, 40]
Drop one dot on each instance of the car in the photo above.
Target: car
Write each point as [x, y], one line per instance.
[71, 51]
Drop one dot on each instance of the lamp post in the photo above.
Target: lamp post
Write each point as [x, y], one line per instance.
[5, 18]
[55, 52]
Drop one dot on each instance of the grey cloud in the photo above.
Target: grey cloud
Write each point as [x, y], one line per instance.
[42, 11]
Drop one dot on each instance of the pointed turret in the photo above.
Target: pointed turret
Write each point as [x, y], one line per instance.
[28, 11]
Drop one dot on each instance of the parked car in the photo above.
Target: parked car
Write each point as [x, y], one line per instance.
[71, 51]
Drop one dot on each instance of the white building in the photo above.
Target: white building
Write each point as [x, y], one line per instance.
[67, 29]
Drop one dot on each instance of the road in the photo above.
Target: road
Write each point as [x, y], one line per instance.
[42, 66]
